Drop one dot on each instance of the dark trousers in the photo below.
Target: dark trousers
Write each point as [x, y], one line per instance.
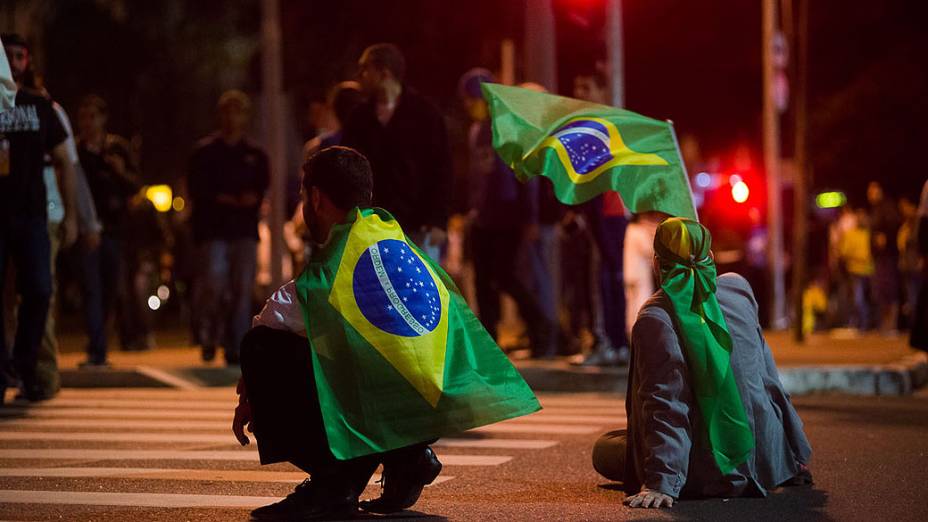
[609, 233]
[496, 253]
[101, 284]
[25, 241]
[287, 418]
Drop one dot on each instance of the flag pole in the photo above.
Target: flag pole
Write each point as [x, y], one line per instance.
[686, 175]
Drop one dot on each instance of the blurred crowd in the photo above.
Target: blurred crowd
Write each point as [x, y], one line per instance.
[549, 279]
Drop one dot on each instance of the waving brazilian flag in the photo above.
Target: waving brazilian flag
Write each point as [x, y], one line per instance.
[586, 149]
[398, 356]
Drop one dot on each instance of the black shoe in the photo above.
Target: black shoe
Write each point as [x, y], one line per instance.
[208, 353]
[94, 365]
[607, 356]
[311, 501]
[403, 482]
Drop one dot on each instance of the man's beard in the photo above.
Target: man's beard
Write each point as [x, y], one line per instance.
[314, 227]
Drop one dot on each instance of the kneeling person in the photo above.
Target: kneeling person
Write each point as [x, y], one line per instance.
[369, 356]
[707, 414]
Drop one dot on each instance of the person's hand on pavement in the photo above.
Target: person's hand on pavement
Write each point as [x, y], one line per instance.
[649, 498]
[242, 414]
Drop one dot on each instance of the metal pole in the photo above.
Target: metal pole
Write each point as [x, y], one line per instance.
[686, 176]
[772, 166]
[616, 52]
[540, 44]
[272, 76]
[507, 60]
[800, 188]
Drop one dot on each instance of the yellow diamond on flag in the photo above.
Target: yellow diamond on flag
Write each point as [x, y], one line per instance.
[390, 295]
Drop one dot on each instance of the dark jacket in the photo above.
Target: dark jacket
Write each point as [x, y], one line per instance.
[410, 159]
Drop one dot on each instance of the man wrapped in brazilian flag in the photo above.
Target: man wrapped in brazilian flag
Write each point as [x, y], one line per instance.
[369, 356]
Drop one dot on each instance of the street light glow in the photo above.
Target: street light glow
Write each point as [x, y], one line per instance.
[179, 204]
[160, 196]
[740, 192]
[703, 180]
[154, 303]
[830, 199]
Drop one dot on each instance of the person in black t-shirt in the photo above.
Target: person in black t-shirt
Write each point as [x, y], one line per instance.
[405, 139]
[227, 178]
[27, 133]
[112, 181]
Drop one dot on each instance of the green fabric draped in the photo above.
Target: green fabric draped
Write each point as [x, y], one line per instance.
[688, 277]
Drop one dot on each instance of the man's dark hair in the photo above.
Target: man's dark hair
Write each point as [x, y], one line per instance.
[92, 100]
[343, 174]
[346, 97]
[14, 39]
[388, 56]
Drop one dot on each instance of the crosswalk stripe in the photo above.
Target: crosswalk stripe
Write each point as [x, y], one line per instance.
[224, 455]
[158, 500]
[226, 475]
[226, 438]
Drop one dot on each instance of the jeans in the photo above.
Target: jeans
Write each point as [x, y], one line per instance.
[47, 377]
[544, 261]
[25, 241]
[102, 277]
[610, 238]
[227, 278]
[861, 290]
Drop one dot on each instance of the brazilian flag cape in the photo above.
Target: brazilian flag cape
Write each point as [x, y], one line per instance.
[586, 149]
[397, 355]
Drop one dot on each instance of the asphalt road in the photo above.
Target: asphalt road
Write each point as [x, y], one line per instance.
[168, 455]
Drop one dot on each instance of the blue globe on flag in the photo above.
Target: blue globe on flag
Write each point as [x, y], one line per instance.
[586, 143]
[395, 291]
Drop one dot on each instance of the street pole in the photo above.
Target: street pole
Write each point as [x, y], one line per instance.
[272, 80]
[540, 44]
[772, 166]
[616, 53]
[800, 183]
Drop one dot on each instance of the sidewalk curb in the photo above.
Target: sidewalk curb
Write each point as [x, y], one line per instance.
[899, 378]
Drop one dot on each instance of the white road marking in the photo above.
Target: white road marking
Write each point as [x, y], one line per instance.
[227, 439]
[167, 378]
[226, 455]
[124, 413]
[293, 477]
[120, 424]
[578, 419]
[547, 429]
[159, 500]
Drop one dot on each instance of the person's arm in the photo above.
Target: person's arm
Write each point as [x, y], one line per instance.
[282, 311]
[7, 85]
[665, 398]
[64, 170]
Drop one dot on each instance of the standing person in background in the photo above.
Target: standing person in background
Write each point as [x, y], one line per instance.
[505, 214]
[28, 132]
[606, 217]
[112, 181]
[884, 226]
[857, 259]
[639, 255]
[227, 179]
[910, 262]
[343, 99]
[918, 337]
[406, 141]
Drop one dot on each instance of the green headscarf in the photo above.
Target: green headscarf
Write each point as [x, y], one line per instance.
[688, 277]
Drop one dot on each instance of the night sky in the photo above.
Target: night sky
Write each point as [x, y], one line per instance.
[698, 63]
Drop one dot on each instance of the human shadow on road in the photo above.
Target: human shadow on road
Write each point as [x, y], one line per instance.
[402, 515]
[794, 503]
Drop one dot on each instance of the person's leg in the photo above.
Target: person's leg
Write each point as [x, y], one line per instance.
[111, 275]
[288, 426]
[609, 455]
[611, 240]
[485, 283]
[46, 373]
[541, 331]
[92, 290]
[243, 261]
[214, 270]
[33, 274]
[6, 368]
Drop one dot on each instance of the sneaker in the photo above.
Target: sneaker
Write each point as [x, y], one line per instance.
[310, 501]
[607, 356]
[208, 353]
[403, 483]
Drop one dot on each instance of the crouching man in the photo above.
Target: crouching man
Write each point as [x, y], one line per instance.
[707, 414]
[369, 356]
